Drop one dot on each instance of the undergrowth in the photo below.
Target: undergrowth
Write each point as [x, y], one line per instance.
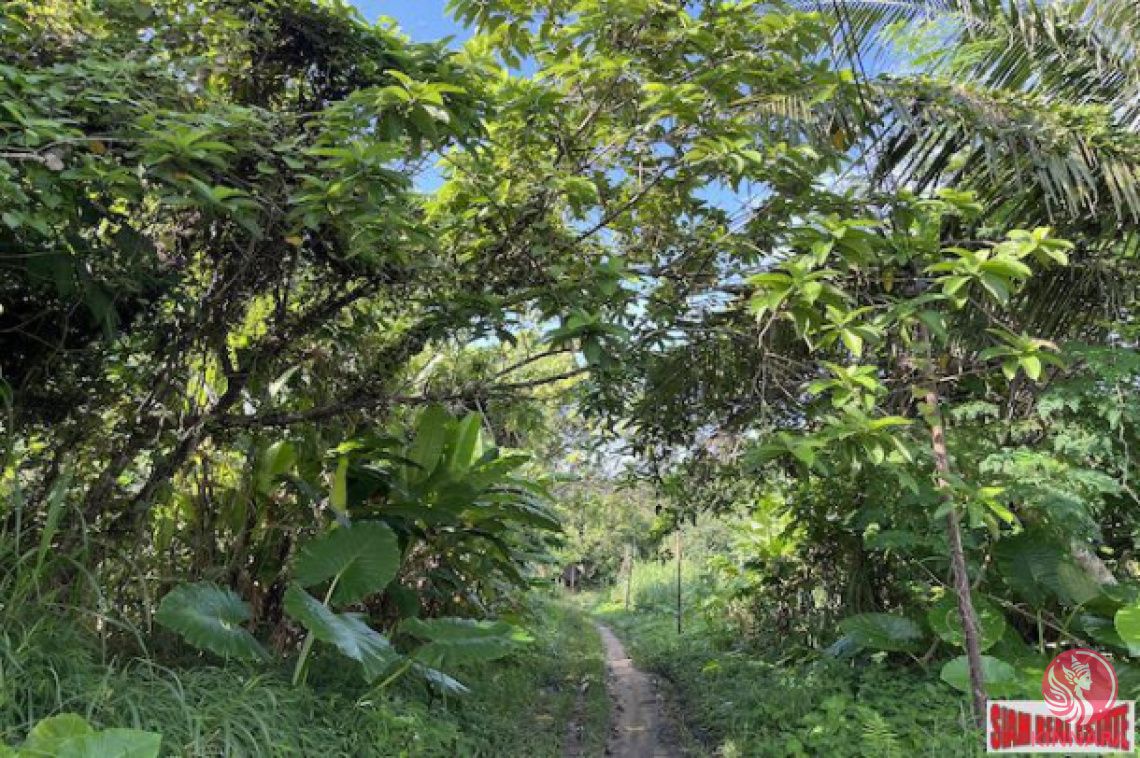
[518, 706]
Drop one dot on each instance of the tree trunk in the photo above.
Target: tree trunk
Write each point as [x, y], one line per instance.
[628, 574]
[961, 578]
[678, 578]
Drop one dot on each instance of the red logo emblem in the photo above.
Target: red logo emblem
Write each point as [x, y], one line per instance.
[1079, 685]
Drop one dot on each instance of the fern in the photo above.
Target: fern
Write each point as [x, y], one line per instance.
[878, 736]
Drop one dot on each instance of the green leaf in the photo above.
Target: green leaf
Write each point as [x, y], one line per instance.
[1007, 268]
[1127, 623]
[853, 342]
[363, 557]
[883, 631]
[338, 497]
[274, 461]
[441, 681]
[997, 287]
[113, 743]
[455, 641]
[347, 631]
[465, 444]
[1028, 563]
[407, 601]
[944, 620]
[1103, 630]
[1032, 366]
[68, 735]
[210, 618]
[1000, 678]
[431, 436]
[46, 736]
[1076, 585]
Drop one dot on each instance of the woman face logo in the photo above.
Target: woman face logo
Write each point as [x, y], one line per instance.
[1079, 685]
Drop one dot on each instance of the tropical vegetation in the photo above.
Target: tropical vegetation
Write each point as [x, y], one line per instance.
[807, 328]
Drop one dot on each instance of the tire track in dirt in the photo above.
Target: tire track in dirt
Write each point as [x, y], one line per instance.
[636, 724]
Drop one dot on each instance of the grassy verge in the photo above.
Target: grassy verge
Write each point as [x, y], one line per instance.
[521, 705]
[770, 699]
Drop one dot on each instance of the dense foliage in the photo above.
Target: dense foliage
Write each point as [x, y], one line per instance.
[320, 343]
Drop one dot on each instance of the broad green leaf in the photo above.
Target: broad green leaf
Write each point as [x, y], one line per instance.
[997, 287]
[465, 444]
[844, 647]
[68, 735]
[431, 436]
[407, 601]
[944, 620]
[113, 743]
[46, 736]
[1127, 623]
[210, 618]
[363, 557]
[338, 497]
[883, 631]
[276, 460]
[1029, 564]
[1077, 586]
[1032, 366]
[347, 631]
[1000, 678]
[1007, 268]
[441, 681]
[1104, 631]
[453, 641]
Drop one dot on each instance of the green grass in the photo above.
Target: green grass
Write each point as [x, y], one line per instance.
[769, 698]
[522, 706]
[518, 706]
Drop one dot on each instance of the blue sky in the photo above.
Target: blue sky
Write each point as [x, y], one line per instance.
[422, 20]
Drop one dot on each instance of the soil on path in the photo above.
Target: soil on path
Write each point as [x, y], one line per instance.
[637, 729]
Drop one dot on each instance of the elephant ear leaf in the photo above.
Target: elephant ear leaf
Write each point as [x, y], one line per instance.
[441, 681]
[113, 743]
[49, 734]
[363, 558]
[210, 617]
[68, 735]
[943, 619]
[455, 641]
[347, 631]
[1000, 678]
[883, 631]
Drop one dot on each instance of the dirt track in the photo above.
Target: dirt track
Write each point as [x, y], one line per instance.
[636, 722]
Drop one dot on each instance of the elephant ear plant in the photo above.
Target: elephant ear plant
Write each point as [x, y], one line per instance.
[68, 735]
[344, 566]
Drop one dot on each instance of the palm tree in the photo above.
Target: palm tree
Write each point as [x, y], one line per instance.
[1035, 106]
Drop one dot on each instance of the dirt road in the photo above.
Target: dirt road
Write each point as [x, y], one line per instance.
[636, 718]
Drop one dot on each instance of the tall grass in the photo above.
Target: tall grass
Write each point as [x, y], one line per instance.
[49, 667]
[517, 706]
[653, 585]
